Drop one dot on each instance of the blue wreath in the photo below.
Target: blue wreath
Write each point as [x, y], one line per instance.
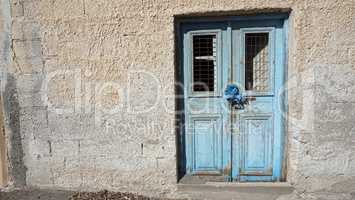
[234, 96]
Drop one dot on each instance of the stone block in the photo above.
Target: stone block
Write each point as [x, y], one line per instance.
[335, 83]
[29, 83]
[35, 10]
[65, 148]
[68, 8]
[17, 9]
[40, 174]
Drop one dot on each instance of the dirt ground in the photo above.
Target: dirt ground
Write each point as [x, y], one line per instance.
[105, 195]
[35, 194]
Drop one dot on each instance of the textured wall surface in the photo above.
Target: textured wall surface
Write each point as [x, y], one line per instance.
[88, 89]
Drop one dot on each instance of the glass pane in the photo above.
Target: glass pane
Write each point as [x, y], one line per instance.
[257, 62]
[204, 63]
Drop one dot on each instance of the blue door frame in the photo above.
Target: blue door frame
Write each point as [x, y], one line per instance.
[218, 140]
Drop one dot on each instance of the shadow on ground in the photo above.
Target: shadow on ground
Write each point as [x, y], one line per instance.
[67, 195]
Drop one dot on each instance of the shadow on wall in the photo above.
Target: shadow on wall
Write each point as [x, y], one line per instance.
[3, 149]
[17, 169]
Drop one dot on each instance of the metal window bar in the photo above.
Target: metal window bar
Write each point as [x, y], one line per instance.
[257, 62]
[204, 63]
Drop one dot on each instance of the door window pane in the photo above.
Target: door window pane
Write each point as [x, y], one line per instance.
[257, 62]
[204, 63]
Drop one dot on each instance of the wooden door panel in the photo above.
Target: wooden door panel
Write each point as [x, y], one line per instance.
[206, 144]
[256, 145]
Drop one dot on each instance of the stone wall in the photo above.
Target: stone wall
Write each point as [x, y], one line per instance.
[88, 89]
[3, 152]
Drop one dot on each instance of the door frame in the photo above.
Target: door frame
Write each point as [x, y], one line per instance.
[180, 22]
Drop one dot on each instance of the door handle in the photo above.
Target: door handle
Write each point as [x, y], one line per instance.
[235, 97]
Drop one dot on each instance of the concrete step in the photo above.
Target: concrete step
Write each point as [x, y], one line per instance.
[235, 191]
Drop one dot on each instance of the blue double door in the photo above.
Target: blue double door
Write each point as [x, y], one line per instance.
[221, 140]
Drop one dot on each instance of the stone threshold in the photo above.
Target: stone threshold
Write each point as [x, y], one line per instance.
[235, 191]
[279, 188]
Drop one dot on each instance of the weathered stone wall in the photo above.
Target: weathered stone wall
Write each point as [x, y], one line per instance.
[88, 88]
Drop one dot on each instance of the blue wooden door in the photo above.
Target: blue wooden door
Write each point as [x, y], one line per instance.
[238, 144]
[206, 63]
[258, 129]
